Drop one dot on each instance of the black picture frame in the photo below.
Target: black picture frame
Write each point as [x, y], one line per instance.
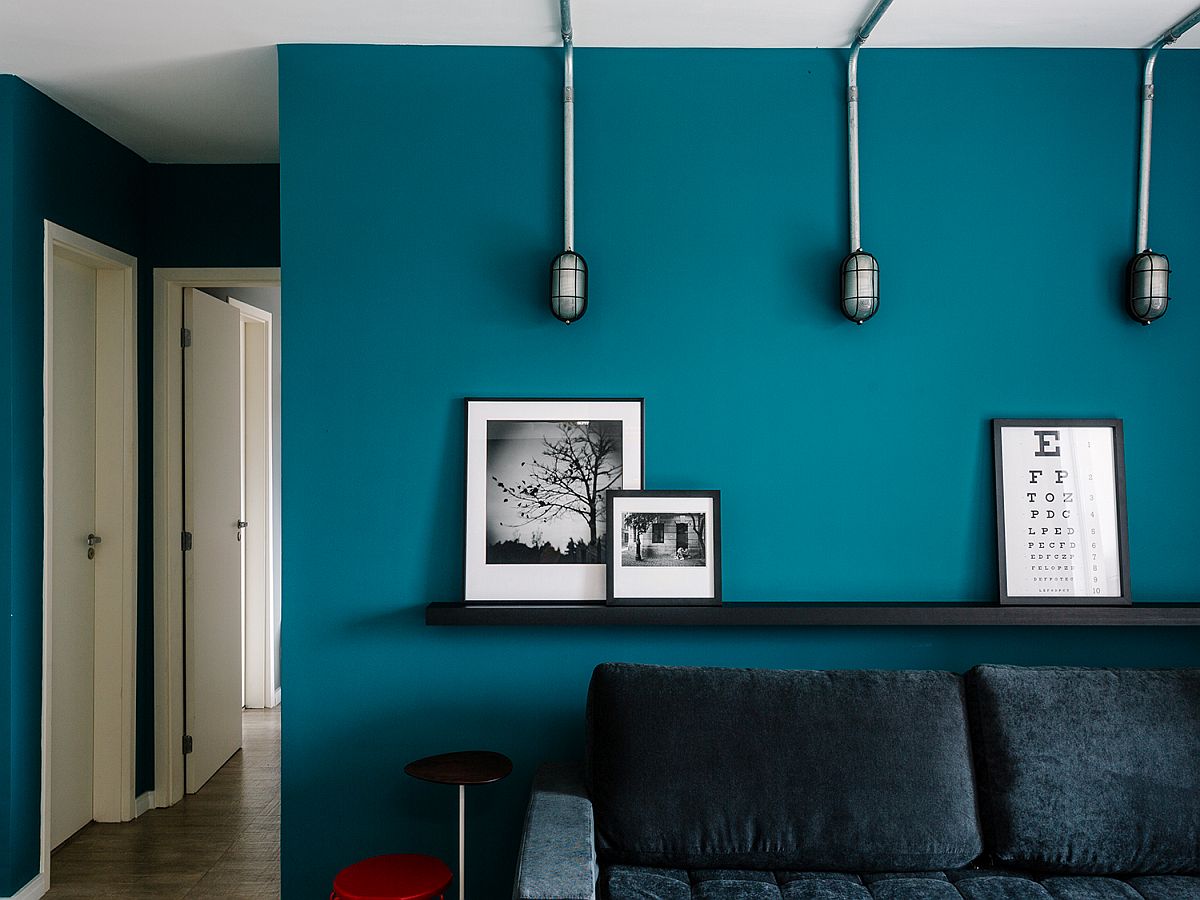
[615, 594]
[1003, 495]
[566, 597]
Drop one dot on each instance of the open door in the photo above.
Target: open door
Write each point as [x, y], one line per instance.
[257, 508]
[73, 552]
[212, 466]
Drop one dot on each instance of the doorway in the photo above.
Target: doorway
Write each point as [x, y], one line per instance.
[260, 607]
[90, 536]
[217, 522]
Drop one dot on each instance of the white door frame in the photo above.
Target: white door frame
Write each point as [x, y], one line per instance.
[115, 690]
[262, 317]
[168, 509]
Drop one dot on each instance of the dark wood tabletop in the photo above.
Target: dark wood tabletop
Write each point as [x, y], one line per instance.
[463, 767]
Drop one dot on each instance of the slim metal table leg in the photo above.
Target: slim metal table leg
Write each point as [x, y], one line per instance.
[462, 839]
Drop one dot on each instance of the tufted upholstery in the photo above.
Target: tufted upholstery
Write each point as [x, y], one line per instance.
[639, 883]
[736, 784]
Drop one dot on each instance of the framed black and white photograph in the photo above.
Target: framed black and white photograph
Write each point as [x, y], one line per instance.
[1060, 510]
[538, 472]
[666, 549]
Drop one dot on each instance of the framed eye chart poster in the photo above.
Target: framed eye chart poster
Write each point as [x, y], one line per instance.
[1060, 512]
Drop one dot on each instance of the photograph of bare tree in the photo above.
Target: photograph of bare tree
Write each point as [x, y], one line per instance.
[546, 486]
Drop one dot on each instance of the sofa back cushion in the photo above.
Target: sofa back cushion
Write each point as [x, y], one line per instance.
[841, 771]
[1089, 770]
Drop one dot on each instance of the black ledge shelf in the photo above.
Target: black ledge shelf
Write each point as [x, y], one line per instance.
[770, 615]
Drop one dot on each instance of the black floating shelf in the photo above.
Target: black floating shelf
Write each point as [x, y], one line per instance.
[769, 615]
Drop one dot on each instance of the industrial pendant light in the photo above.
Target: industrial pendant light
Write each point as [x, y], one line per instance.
[568, 272]
[1150, 272]
[860, 270]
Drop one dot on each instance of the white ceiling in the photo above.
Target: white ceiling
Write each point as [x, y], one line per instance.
[193, 81]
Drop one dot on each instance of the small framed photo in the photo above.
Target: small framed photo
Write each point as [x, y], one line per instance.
[1060, 512]
[666, 548]
[538, 472]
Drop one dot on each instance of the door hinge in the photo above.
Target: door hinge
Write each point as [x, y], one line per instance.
[185, 337]
[185, 541]
[187, 744]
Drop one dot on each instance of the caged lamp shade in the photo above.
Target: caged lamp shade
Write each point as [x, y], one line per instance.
[860, 270]
[1149, 272]
[568, 286]
[1149, 275]
[568, 272]
[860, 286]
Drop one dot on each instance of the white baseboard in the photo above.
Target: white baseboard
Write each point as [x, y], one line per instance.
[32, 891]
[142, 803]
[278, 696]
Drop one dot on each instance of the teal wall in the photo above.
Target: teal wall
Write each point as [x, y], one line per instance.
[420, 210]
[205, 212]
[64, 170]
[6, 493]
[55, 166]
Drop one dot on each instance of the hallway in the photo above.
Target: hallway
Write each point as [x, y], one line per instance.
[222, 842]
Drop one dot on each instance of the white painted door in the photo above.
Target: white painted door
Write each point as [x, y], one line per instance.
[212, 506]
[73, 579]
[256, 504]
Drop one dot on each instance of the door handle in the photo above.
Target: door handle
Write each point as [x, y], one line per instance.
[92, 541]
[240, 525]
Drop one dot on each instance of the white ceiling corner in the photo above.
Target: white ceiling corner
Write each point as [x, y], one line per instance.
[196, 81]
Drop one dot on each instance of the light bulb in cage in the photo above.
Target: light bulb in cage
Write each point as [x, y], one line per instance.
[860, 286]
[568, 286]
[1149, 274]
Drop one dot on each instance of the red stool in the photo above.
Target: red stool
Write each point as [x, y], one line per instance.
[398, 876]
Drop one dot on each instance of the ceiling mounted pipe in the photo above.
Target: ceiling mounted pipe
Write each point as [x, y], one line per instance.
[568, 272]
[1149, 272]
[860, 270]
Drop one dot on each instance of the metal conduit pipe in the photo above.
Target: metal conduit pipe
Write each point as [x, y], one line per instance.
[568, 272]
[1143, 210]
[860, 270]
[1169, 37]
[1149, 272]
[852, 116]
[568, 127]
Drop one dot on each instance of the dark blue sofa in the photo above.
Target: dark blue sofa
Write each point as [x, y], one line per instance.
[1006, 783]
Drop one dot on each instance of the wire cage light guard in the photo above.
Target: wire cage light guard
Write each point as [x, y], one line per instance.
[860, 286]
[568, 286]
[1149, 278]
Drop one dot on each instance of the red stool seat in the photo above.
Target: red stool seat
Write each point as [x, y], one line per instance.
[398, 876]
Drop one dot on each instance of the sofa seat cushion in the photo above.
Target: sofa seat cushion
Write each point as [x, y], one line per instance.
[645, 883]
[1088, 771]
[752, 768]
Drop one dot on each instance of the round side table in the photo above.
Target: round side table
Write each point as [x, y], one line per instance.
[462, 768]
[397, 876]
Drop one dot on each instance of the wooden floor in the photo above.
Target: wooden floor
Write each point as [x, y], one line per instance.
[222, 841]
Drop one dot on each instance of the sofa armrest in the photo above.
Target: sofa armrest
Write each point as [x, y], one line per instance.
[558, 849]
